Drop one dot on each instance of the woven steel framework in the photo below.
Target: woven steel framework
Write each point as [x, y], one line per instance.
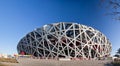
[68, 40]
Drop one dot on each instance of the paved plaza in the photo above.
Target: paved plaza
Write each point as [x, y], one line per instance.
[43, 62]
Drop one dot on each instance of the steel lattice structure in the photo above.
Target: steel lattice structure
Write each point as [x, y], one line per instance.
[68, 40]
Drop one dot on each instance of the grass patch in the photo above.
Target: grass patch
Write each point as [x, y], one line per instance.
[11, 60]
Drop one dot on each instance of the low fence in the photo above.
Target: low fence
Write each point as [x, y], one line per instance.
[56, 58]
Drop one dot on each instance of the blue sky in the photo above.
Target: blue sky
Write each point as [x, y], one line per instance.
[19, 17]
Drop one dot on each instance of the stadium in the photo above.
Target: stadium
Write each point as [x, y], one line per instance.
[65, 40]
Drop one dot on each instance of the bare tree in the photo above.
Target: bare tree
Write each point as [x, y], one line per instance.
[117, 53]
[114, 8]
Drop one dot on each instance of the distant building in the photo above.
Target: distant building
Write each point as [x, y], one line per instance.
[65, 40]
[3, 56]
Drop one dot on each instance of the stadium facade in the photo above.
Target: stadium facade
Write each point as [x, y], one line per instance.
[65, 40]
